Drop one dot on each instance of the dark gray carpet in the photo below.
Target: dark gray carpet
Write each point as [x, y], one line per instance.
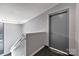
[47, 52]
[9, 54]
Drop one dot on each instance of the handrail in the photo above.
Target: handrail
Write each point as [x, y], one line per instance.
[17, 43]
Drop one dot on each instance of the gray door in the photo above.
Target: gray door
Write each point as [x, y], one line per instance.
[59, 31]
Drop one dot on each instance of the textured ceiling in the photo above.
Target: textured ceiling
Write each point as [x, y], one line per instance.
[18, 13]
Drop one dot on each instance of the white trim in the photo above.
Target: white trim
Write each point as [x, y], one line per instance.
[58, 50]
[37, 51]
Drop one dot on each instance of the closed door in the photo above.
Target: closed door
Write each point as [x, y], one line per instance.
[59, 31]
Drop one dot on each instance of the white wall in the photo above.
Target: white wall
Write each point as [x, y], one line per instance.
[33, 26]
[41, 24]
[77, 28]
[37, 24]
[12, 32]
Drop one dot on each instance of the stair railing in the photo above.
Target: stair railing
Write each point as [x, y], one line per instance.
[17, 43]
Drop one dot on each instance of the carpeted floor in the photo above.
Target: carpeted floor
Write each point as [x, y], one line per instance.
[9, 54]
[47, 52]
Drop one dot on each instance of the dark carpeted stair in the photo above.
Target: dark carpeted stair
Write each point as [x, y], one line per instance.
[46, 51]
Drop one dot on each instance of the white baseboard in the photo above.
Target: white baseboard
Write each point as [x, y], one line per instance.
[37, 51]
[58, 50]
